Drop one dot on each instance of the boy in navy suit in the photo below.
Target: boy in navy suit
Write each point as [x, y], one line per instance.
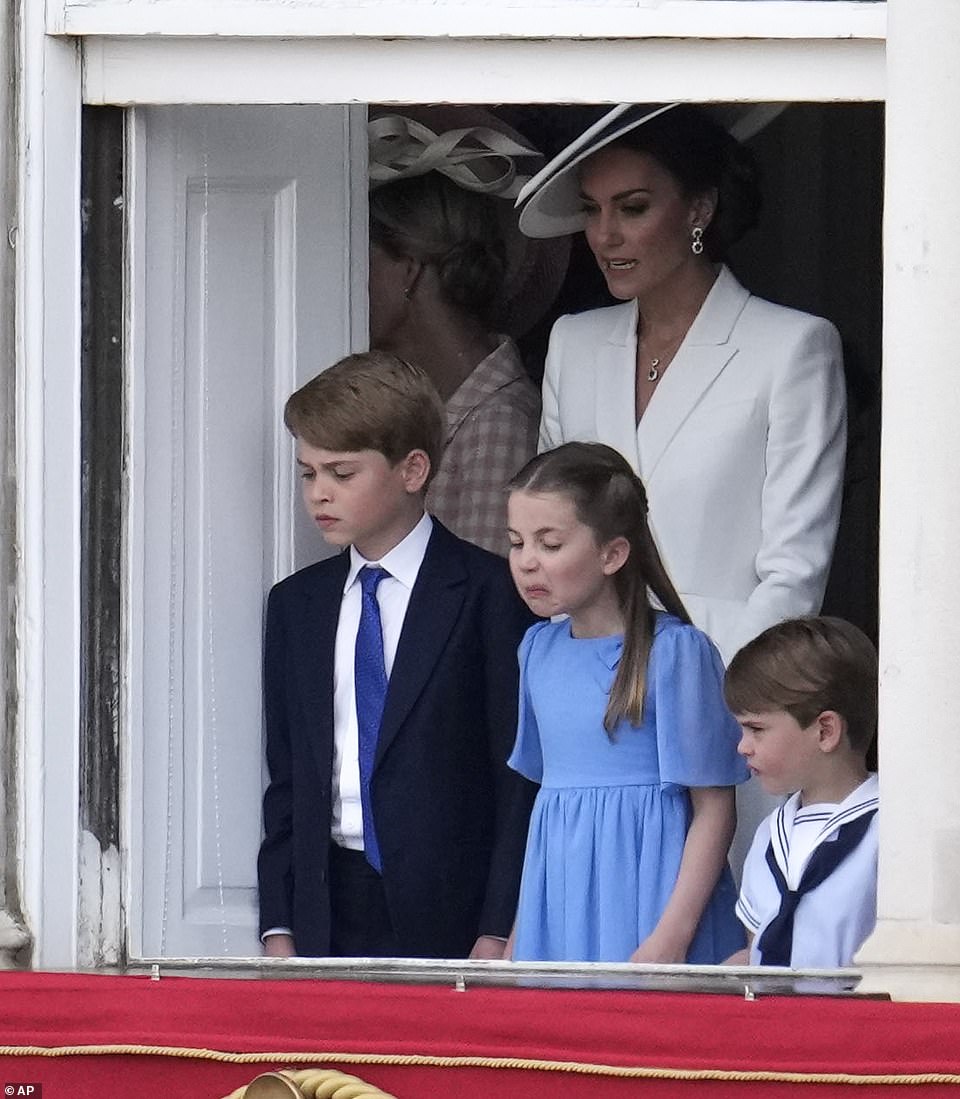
[392, 823]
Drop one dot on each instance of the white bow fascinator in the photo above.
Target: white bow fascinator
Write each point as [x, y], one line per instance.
[476, 158]
[478, 152]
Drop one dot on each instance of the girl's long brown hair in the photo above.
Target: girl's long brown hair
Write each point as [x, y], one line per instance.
[610, 499]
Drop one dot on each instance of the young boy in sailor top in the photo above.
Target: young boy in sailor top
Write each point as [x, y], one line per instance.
[805, 695]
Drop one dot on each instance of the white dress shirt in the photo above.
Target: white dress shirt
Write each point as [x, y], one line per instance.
[393, 595]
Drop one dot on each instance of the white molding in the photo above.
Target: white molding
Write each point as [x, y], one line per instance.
[132, 632]
[163, 70]
[48, 506]
[458, 19]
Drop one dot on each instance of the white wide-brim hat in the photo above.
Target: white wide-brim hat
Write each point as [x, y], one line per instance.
[550, 201]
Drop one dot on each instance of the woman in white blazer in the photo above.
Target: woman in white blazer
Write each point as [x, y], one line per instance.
[731, 409]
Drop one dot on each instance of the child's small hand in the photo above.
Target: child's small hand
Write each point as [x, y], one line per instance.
[488, 948]
[742, 957]
[279, 946]
[654, 950]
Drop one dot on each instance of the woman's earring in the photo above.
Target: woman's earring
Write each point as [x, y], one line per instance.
[696, 244]
[406, 292]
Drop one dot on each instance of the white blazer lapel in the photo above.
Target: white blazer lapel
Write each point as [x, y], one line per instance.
[615, 387]
[705, 351]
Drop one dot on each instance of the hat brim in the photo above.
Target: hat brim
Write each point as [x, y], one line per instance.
[550, 200]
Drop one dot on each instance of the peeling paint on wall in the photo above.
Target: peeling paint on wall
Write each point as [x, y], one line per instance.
[15, 942]
[100, 928]
[100, 909]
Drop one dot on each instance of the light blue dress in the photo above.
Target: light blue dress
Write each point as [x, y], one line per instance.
[609, 823]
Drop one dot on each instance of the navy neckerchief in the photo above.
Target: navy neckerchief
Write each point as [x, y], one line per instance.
[776, 943]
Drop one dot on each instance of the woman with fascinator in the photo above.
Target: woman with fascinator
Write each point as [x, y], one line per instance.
[447, 270]
[730, 408]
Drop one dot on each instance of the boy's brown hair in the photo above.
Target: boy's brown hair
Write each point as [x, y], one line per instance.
[371, 401]
[807, 665]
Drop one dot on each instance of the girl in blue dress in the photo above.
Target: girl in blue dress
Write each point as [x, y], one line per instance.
[623, 725]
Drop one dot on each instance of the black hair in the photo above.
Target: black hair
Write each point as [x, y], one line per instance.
[702, 156]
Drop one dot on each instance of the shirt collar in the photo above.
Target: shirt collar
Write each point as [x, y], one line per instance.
[403, 561]
[864, 799]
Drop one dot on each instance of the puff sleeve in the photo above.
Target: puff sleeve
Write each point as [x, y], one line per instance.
[527, 754]
[697, 736]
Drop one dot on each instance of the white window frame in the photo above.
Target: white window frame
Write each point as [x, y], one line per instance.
[522, 19]
[139, 52]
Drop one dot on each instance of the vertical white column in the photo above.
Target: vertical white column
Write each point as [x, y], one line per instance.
[919, 900]
[48, 486]
[9, 889]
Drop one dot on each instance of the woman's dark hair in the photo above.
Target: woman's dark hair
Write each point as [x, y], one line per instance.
[610, 499]
[430, 219]
[702, 156]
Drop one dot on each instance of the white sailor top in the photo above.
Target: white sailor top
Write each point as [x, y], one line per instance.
[833, 920]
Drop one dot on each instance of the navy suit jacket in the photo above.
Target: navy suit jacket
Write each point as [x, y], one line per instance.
[451, 817]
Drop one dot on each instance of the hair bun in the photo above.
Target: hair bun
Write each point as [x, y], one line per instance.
[471, 274]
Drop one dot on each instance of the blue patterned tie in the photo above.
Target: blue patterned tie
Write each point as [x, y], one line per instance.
[370, 682]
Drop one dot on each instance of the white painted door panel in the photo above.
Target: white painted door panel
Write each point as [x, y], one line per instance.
[248, 255]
